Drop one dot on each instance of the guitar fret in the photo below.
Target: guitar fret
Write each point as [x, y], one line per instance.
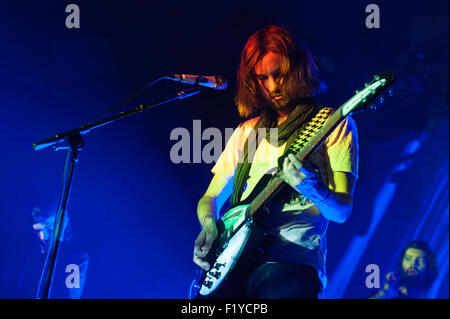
[259, 200]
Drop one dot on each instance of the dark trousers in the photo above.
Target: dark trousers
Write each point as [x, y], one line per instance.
[251, 279]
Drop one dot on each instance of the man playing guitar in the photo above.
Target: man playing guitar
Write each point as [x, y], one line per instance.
[277, 78]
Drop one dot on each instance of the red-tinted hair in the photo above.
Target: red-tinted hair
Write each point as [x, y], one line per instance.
[300, 73]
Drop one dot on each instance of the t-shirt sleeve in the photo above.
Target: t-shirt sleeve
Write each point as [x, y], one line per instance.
[342, 147]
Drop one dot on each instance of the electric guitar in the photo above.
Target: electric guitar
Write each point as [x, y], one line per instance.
[237, 229]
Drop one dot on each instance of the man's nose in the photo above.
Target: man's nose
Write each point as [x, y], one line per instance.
[272, 84]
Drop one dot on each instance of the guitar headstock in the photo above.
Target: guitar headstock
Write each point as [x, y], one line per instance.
[365, 98]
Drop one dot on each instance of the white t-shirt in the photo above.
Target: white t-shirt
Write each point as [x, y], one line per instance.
[299, 227]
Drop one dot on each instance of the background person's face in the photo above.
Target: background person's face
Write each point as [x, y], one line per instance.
[414, 266]
[43, 229]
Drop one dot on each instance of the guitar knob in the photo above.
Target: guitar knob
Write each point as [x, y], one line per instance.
[207, 283]
[218, 265]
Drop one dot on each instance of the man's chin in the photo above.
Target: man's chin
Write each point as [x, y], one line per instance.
[412, 273]
[413, 279]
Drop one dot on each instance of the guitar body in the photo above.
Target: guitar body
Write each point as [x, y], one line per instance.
[237, 232]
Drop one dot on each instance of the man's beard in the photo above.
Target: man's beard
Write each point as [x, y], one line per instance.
[279, 105]
[417, 280]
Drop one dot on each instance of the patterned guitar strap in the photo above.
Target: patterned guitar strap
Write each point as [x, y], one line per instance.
[304, 136]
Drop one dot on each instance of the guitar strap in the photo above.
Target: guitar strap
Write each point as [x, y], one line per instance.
[306, 133]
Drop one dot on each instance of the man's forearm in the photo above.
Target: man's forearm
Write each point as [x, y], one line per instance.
[206, 209]
[335, 207]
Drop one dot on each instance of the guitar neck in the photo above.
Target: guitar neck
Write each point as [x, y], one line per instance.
[276, 182]
[359, 101]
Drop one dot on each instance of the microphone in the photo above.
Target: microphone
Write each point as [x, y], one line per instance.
[215, 82]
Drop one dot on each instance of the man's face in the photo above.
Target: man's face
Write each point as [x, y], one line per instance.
[414, 266]
[43, 229]
[42, 226]
[268, 74]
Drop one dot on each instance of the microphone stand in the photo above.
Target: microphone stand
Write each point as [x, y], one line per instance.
[76, 143]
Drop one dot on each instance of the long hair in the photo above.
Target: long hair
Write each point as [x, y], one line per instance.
[431, 270]
[299, 70]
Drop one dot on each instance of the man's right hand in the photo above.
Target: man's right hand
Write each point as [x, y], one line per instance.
[204, 242]
[391, 285]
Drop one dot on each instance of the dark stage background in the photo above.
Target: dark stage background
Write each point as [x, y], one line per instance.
[132, 209]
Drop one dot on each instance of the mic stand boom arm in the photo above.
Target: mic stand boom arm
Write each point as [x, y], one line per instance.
[87, 128]
[76, 145]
